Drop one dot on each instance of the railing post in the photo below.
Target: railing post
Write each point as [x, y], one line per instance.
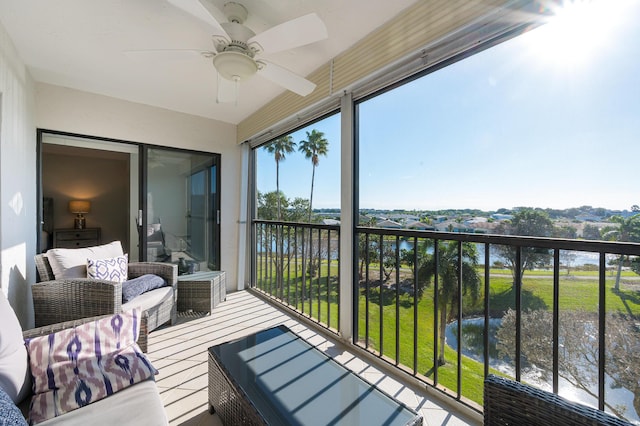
[487, 291]
[381, 294]
[328, 286]
[436, 303]
[415, 305]
[518, 295]
[368, 289]
[459, 329]
[556, 317]
[602, 321]
[397, 299]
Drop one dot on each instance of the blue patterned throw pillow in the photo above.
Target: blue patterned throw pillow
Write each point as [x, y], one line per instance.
[136, 286]
[112, 269]
[10, 415]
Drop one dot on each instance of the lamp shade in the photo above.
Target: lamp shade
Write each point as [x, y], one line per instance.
[79, 206]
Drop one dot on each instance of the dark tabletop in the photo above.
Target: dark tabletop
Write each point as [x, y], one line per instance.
[292, 383]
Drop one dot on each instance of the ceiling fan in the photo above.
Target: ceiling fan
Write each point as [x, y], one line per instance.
[237, 49]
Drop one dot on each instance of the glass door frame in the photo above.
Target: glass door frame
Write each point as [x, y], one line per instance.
[144, 205]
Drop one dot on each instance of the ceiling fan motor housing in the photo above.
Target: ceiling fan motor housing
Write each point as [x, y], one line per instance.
[235, 12]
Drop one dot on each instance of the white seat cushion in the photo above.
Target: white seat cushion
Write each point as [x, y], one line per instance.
[149, 299]
[139, 404]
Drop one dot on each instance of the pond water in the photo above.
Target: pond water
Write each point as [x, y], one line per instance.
[472, 347]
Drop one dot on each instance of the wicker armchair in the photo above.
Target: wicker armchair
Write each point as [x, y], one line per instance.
[507, 402]
[54, 328]
[58, 301]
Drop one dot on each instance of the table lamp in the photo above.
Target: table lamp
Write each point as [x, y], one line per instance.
[79, 207]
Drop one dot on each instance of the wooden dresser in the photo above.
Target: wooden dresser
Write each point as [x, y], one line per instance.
[76, 238]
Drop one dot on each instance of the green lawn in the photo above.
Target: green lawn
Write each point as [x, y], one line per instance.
[575, 294]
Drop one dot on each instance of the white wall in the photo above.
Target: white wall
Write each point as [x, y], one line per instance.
[68, 110]
[17, 181]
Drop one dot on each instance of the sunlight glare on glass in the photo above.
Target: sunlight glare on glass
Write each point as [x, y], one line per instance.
[577, 31]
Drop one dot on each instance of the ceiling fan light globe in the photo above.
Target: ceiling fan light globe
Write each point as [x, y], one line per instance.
[235, 66]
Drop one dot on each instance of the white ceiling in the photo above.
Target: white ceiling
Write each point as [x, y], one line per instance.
[87, 44]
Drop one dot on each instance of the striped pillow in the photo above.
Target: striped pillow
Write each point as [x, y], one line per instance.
[75, 367]
[112, 269]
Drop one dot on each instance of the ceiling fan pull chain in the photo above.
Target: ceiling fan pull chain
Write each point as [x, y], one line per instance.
[236, 82]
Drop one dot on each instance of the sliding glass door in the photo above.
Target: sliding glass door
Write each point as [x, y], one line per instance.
[181, 212]
[162, 204]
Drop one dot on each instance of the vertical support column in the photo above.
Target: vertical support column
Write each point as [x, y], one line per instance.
[243, 224]
[347, 214]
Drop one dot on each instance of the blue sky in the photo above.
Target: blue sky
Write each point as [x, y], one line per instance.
[524, 123]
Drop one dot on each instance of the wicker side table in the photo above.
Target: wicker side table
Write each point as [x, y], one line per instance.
[202, 291]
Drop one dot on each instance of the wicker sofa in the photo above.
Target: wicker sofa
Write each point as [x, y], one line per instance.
[507, 402]
[57, 301]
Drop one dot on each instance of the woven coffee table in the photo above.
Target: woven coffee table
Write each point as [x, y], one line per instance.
[275, 377]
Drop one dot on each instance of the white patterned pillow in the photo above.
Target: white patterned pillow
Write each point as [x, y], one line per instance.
[81, 365]
[112, 269]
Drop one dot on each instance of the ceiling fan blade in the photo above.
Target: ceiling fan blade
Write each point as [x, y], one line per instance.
[227, 91]
[297, 32]
[202, 10]
[164, 54]
[287, 79]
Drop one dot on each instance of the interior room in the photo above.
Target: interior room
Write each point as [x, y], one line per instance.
[68, 174]
[134, 141]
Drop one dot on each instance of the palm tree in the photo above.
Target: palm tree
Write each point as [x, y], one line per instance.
[315, 146]
[448, 272]
[279, 148]
[627, 229]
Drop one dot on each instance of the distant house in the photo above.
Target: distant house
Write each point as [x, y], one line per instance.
[403, 218]
[476, 220]
[419, 226]
[485, 227]
[389, 224]
[439, 219]
[330, 222]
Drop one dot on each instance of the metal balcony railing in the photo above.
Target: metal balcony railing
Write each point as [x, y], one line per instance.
[298, 264]
[450, 308]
